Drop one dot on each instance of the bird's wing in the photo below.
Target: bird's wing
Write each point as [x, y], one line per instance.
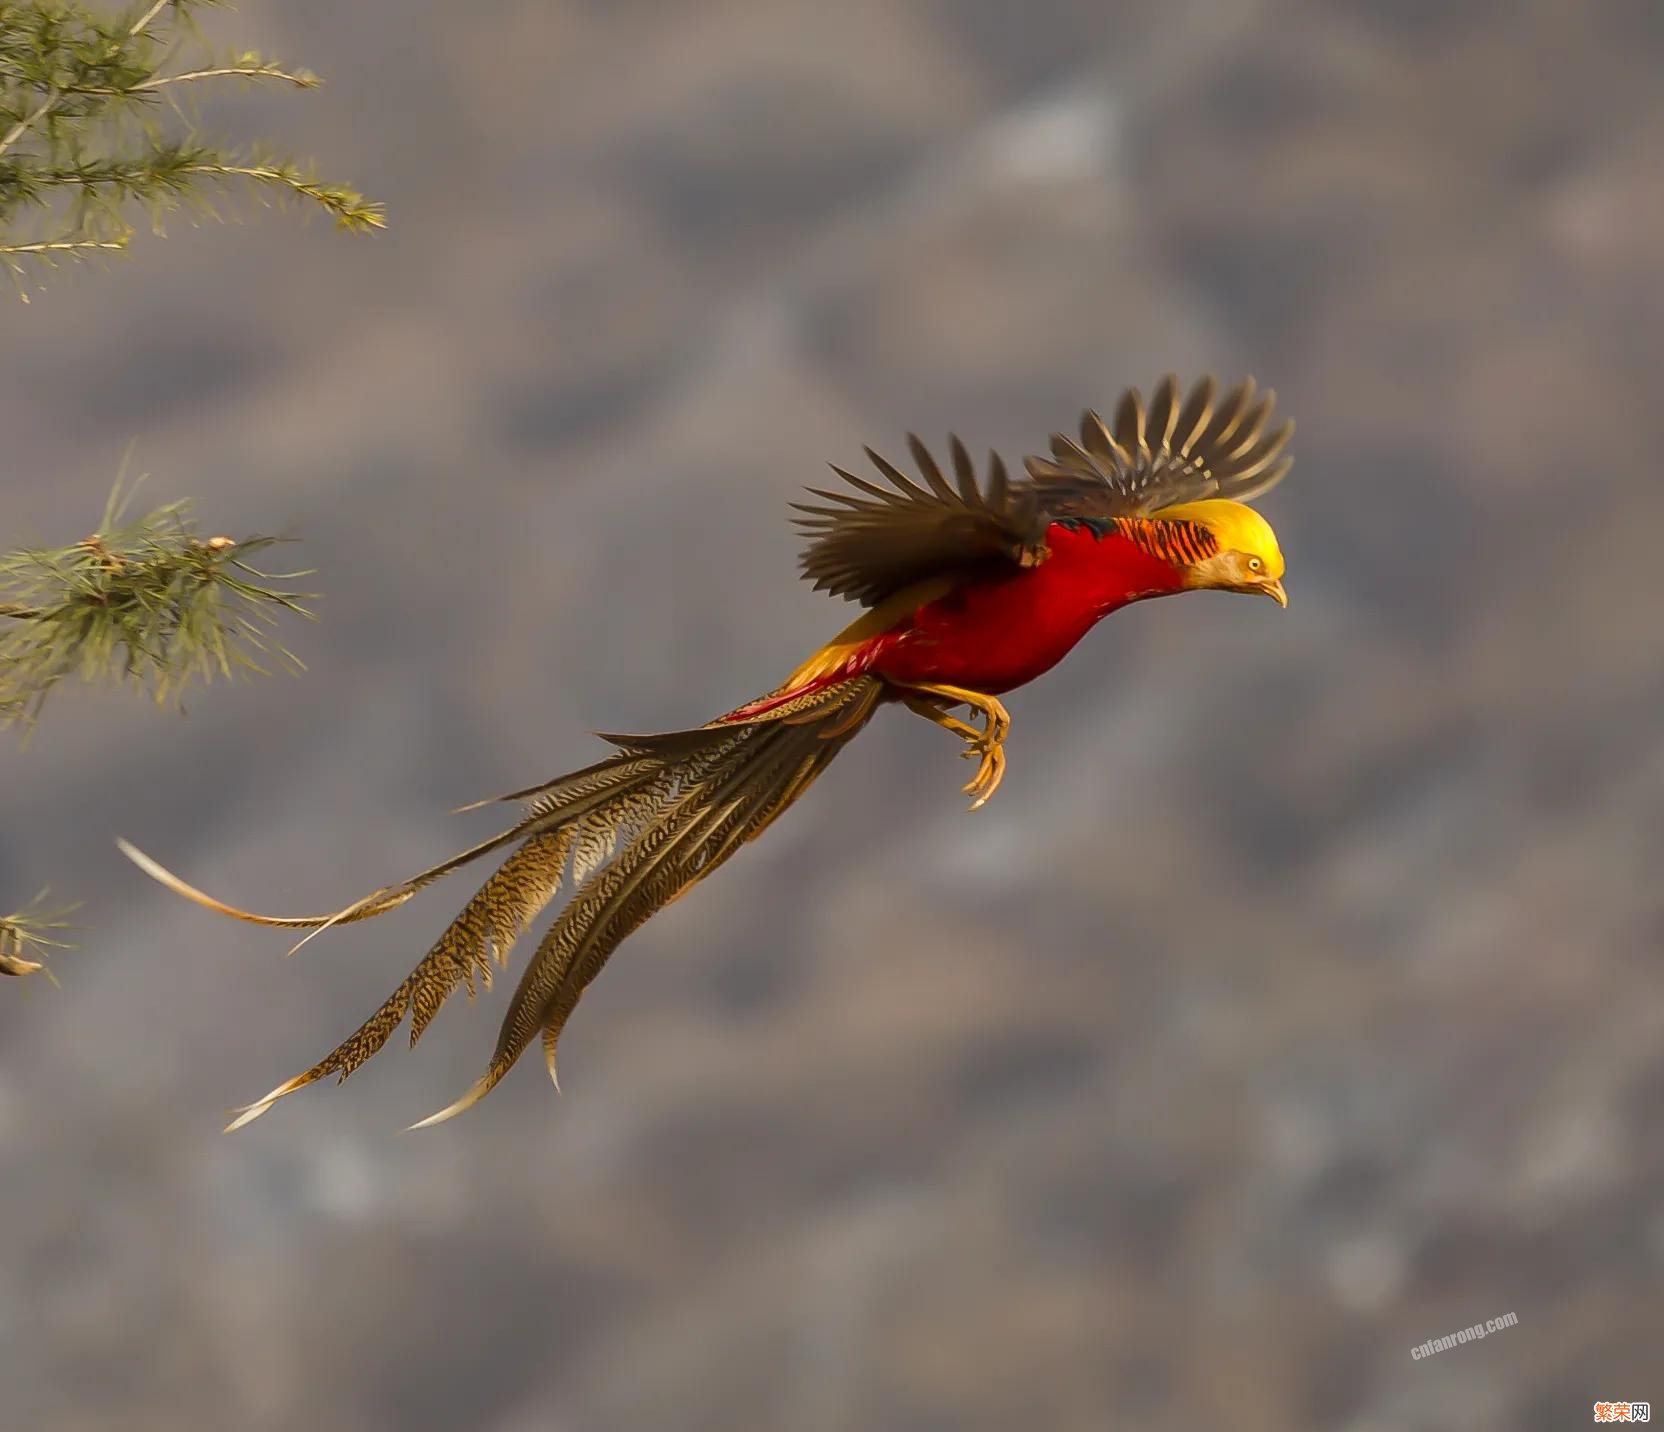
[880, 540]
[1170, 451]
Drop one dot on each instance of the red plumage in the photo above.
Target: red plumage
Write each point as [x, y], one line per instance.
[1003, 627]
[996, 633]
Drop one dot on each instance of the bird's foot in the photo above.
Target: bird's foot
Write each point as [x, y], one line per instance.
[986, 745]
[989, 774]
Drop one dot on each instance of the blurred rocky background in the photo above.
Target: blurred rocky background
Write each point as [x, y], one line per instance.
[1296, 1001]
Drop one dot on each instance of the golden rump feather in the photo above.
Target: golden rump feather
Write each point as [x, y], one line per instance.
[635, 831]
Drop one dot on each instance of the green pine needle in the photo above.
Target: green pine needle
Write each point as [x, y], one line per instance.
[24, 938]
[94, 126]
[147, 601]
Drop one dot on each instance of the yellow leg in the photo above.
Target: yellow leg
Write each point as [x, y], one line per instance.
[931, 711]
[987, 743]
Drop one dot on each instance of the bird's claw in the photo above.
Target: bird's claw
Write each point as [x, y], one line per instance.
[989, 774]
[987, 779]
[986, 745]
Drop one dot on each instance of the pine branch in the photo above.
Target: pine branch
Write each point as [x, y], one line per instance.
[23, 933]
[54, 16]
[91, 126]
[41, 111]
[51, 248]
[148, 602]
[250, 67]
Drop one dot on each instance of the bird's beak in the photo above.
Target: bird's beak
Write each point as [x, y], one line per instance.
[1275, 591]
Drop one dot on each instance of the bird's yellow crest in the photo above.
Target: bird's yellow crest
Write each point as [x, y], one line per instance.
[1237, 526]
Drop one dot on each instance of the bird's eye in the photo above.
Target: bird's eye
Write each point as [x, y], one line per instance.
[1255, 565]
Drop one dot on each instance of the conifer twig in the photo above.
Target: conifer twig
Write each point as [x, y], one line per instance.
[91, 124]
[147, 601]
[50, 101]
[23, 933]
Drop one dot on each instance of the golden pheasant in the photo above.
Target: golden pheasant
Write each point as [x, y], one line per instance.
[973, 587]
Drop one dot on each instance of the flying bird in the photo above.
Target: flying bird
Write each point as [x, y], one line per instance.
[973, 586]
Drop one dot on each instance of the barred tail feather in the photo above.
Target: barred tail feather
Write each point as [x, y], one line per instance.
[486, 929]
[552, 804]
[634, 831]
[625, 892]
[519, 1027]
[747, 820]
[724, 795]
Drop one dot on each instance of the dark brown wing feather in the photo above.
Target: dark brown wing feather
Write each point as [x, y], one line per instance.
[880, 540]
[1180, 447]
[1173, 450]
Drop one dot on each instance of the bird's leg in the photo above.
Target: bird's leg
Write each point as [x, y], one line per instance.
[928, 700]
[935, 711]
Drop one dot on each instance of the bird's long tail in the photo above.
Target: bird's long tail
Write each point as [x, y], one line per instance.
[635, 831]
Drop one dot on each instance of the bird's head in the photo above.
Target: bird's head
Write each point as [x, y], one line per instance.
[1248, 558]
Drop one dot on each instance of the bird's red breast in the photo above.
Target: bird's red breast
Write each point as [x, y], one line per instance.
[993, 632]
